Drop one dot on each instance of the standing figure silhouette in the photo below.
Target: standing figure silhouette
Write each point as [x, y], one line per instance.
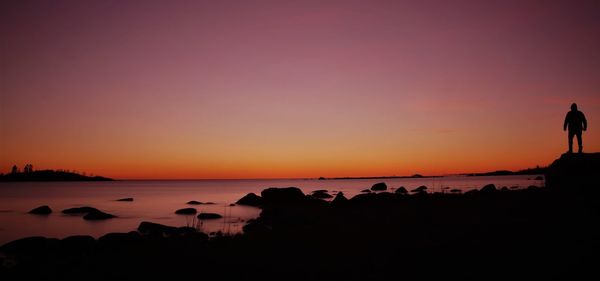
[575, 121]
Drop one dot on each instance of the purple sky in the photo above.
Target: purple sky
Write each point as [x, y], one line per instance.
[229, 89]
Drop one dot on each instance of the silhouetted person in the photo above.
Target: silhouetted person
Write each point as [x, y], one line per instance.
[575, 120]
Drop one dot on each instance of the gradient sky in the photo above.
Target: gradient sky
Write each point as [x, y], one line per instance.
[269, 89]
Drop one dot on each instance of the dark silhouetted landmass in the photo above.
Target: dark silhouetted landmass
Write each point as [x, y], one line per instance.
[50, 175]
[538, 233]
[530, 171]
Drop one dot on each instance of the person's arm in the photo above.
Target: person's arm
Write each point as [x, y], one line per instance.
[566, 122]
[584, 122]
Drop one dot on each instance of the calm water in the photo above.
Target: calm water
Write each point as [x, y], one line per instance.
[157, 201]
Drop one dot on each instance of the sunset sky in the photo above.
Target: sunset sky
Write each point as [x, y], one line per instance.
[286, 89]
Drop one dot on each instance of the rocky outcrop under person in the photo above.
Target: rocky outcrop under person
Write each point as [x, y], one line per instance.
[575, 172]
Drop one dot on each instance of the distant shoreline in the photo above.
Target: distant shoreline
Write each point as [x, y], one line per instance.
[49, 175]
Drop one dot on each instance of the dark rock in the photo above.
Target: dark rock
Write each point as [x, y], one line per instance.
[41, 210]
[401, 190]
[231, 205]
[209, 216]
[539, 178]
[98, 215]
[339, 199]
[78, 243]
[209, 203]
[455, 190]
[151, 228]
[420, 189]
[286, 195]
[379, 186]
[473, 191]
[128, 199]
[366, 191]
[186, 211]
[250, 199]
[34, 244]
[504, 188]
[575, 172]
[533, 187]
[79, 210]
[321, 178]
[490, 188]
[118, 239]
[321, 194]
[194, 202]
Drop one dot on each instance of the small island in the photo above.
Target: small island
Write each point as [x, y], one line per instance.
[28, 174]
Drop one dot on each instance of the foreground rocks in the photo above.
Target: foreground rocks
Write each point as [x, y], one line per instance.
[486, 234]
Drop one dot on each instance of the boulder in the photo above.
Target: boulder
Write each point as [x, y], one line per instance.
[128, 199]
[194, 202]
[401, 190]
[420, 189]
[539, 178]
[34, 244]
[118, 239]
[321, 194]
[339, 199]
[186, 211]
[41, 210]
[151, 228]
[209, 216]
[286, 195]
[490, 188]
[366, 191]
[576, 172]
[379, 186]
[455, 190]
[78, 243]
[79, 210]
[98, 215]
[250, 199]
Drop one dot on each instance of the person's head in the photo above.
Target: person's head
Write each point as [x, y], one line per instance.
[574, 107]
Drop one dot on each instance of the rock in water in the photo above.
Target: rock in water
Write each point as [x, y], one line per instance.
[339, 199]
[401, 190]
[321, 194]
[186, 211]
[490, 188]
[79, 210]
[250, 199]
[41, 210]
[98, 215]
[194, 202]
[379, 186]
[128, 199]
[285, 195]
[209, 216]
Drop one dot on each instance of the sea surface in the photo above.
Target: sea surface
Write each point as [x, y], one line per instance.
[156, 201]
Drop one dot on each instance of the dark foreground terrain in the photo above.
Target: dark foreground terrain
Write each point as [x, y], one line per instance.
[549, 233]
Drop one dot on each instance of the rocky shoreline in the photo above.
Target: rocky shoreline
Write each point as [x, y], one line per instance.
[490, 234]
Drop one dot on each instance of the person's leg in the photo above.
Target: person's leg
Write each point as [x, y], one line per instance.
[571, 134]
[579, 142]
